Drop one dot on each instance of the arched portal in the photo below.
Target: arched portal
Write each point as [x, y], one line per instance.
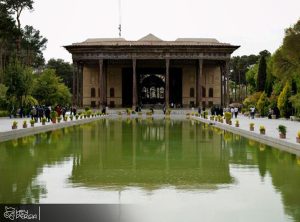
[152, 89]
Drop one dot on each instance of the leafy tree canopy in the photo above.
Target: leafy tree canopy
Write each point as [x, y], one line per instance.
[17, 6]
[18, 79]
[49, 89]
[63, 69]
[33, 45]
[287, 57]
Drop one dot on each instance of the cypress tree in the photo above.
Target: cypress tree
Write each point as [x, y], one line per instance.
[269, 84]
[261, 75]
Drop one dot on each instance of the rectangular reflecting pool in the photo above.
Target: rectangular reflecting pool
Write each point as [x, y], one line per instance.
[177, 170]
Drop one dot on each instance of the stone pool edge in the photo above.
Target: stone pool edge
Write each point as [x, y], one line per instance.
[18, 133]
[271, 141]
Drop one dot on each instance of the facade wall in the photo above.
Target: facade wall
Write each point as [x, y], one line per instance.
[188, 82]
[90, 80]
[211, 78]
[114, 82]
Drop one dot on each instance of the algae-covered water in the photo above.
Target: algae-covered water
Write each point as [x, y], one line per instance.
[180, 169]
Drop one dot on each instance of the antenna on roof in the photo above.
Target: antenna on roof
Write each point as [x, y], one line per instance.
[120, 20]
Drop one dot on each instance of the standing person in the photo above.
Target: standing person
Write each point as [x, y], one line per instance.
[47, 113]
[40, 113]
[103, 110]
[232, 112]
[199, 110]
[74, 111]
[212, 110]
[58, 110]
[252, 111]
[164, 109]
[33, 114]
[21, 112]
[64, 110]
[236, 112]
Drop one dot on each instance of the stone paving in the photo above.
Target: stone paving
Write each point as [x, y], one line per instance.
[271, 125]
[6, 132]
[6, 123]
[272, 135]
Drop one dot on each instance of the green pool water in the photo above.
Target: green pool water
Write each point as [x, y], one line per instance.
[180, 169]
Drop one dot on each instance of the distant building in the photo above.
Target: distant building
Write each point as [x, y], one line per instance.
[150, 71]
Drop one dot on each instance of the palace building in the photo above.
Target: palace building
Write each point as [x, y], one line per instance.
[114, 72]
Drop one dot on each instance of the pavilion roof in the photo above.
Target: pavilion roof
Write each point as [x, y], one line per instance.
[152, 40]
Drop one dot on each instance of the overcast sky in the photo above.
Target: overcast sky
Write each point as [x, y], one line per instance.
[254, 24]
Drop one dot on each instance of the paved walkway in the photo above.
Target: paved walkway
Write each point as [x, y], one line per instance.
[6, 132]
[272, 135]
[6, 123]
[271, 126]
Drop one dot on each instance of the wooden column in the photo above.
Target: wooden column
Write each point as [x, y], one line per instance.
[222, 84]
[134, 87]
[81, 85]
[101, 83]
[199, 83]
[74, 85]
[105, 83]
[77, 83]
[167, 90]
[225, 89]
[227, 72]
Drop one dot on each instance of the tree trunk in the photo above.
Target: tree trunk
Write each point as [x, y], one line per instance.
[19, 35]
[239, 87]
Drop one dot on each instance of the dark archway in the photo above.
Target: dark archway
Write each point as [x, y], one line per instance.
[152, 88]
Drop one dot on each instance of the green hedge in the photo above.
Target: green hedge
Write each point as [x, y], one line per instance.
[4, 113]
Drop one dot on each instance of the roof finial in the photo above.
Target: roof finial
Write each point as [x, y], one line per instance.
[120, 20]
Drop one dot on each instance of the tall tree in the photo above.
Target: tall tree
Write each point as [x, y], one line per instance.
[291, 46]
[251, 77]
[33, 45]
[63, 69]
[17, 7]
[270, 77]
[19, 80]
[239, 66]
[8, 33]
[265, 53]
[261, 74]
[287, 57]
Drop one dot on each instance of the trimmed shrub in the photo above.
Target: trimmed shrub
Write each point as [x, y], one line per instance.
[4, 113]
[262, 104]
[283, 103]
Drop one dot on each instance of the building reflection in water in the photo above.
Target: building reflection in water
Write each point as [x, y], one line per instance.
[150, 154]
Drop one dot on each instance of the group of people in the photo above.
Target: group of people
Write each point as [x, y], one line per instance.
[38, 112]
[217, 110]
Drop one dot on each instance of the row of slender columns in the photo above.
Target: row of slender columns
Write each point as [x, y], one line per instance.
[225, 69]
[101, 83]
[74, 85]
[77, 83]
[199, 82]
[77, 79]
